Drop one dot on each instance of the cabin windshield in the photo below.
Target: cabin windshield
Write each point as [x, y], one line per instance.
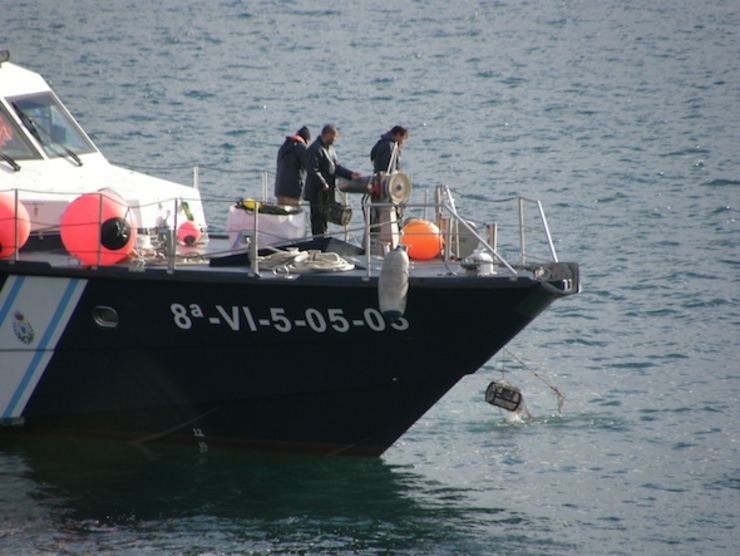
[13, 142]
[51, 125]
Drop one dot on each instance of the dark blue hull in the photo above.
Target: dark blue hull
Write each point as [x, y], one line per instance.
[305, 364]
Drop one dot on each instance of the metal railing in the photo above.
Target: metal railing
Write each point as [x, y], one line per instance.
[452, 226]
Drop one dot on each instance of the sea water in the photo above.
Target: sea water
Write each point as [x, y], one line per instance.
[621, 116]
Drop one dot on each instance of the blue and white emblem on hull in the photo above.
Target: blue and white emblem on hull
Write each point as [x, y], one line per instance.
[22, 328]
[27, 348]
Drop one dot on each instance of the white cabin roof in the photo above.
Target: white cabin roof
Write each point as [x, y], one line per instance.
[15, 80]
[65, 167]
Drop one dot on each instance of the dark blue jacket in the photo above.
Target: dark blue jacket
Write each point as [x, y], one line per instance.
[291, 167]
[322, 169]
[382, 152]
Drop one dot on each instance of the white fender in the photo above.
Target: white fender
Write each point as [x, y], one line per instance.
[393, 284]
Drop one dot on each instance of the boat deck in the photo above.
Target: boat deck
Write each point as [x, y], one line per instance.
[217, 257]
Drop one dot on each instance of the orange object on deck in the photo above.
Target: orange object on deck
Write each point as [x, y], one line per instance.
[423, 238]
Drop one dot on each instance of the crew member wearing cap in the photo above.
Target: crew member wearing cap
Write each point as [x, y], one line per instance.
[291, 168]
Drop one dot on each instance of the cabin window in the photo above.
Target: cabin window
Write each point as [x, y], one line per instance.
[52, 126]
[13, 142]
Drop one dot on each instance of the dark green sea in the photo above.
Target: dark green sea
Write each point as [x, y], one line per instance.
[622, 116]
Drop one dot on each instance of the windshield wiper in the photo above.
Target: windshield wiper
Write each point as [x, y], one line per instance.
[13, 163]
[34, 129]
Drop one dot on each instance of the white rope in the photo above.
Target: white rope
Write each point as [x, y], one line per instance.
[300, 262]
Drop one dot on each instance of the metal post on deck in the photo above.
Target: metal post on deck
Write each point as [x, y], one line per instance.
[172, 241]
[196, 180]
[346, 228]
[492, 230]
[437, 203]
[368, 257]
[171, 247]
[521, 231]
[446, 229]
[547, 231]
[253, 248]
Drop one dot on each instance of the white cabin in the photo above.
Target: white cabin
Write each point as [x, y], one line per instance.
[47, 161]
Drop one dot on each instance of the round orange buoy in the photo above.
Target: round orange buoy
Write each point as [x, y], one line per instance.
[9, 221]
[423, 238]
[98, 228]
[188, 233]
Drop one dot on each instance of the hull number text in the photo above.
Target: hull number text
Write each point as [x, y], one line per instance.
[241, 318]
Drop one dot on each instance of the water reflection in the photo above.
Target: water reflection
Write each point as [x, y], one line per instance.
[62, 492]
[125, 495]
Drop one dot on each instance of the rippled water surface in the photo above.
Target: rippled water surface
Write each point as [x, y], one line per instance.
[621, 116]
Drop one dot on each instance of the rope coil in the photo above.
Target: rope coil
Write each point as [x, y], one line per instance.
[294, 261]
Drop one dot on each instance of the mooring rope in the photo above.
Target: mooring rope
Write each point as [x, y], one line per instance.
[558, 394]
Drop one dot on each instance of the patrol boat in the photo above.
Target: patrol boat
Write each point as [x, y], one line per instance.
[122, 315]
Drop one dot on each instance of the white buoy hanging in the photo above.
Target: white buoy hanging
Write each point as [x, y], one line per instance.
[393, 284]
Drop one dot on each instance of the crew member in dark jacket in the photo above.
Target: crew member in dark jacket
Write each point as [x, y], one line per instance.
[291, 168]
[382, 152]
[322, 169]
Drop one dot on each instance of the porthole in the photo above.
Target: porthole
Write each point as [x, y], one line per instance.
[105, 317]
